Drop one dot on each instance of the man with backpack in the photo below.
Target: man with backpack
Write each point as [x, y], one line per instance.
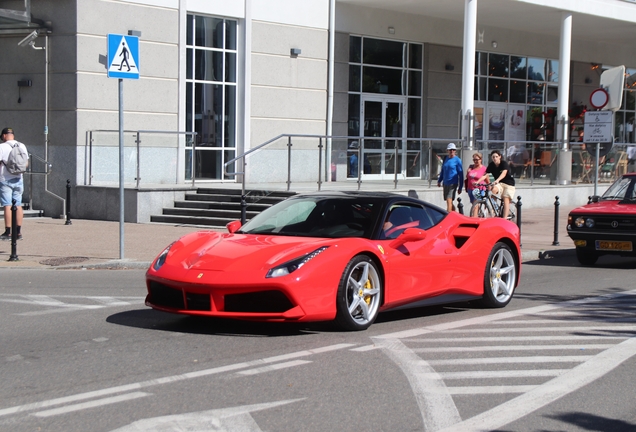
[14, 160]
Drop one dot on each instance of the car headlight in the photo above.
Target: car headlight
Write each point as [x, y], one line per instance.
[581, 222]
[293, 265]
[161, 259]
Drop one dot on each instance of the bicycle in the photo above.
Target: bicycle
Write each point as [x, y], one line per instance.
[490, 205]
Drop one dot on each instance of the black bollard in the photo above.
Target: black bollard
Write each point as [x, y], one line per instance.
[518, 207]
[243, 210]
[460, 206]
[556, 222]
[14, 233]
[68, 203]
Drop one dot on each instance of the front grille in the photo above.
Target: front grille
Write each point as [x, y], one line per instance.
[618, 223]
[165, 296]
[199, 302]
[258, 302]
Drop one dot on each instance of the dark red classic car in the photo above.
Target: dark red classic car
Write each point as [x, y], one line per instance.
[607, 225]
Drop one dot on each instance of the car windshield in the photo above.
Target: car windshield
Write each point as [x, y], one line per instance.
[318, 216]
[622, 189]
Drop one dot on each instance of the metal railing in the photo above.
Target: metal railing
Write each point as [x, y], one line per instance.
[368, 159]
[159, 161]
[37, 166]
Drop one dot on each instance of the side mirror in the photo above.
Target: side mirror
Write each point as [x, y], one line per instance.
[233, 226]
[409, 235]
[595, 198]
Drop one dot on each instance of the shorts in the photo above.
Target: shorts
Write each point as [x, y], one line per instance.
[10, 190]
[476, 194]
[450, 191]
[508, 191]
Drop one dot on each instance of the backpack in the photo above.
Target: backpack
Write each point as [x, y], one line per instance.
[18, 159]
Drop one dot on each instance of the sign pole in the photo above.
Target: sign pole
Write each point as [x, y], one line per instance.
[121, 169]
[123, 63]
[597, 167]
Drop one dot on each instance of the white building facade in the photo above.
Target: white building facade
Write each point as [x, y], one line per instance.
[220, 78]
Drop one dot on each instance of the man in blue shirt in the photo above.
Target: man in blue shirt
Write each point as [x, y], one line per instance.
[452, 176]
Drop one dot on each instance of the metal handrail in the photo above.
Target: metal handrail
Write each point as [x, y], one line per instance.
[30, 173]
[88, 154]
[289, 137]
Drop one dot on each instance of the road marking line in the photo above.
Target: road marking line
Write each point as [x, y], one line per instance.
[528, 373]
[547, 393]
[544, 329]
[91, 404]
[60, 310]
[515, 338]
[166, 380]
[502, 389]
[109, 301]
[436, 405]
[503, 315]
[511, 360]
[366, 348]
[626, 320]
[513, 348]
[273, 367]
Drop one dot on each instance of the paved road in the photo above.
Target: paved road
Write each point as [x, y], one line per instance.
[79, 351]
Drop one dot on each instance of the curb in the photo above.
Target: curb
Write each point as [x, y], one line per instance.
[108, 265]
[532, 255]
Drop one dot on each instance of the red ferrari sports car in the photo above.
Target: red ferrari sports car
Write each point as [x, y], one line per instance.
[606, 225]
[343, 256]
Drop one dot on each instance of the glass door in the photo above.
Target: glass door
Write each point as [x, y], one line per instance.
[384, 132]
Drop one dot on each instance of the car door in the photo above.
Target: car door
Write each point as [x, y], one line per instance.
[422, 268]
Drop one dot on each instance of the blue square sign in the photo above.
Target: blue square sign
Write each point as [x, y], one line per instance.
[123, 56]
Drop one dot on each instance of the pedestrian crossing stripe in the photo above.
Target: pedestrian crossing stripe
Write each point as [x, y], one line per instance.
[123, 56]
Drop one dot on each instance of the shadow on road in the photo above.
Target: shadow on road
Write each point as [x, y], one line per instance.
[591, 422]
[156, 320]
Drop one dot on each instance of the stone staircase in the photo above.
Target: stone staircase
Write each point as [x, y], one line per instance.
[215, 207]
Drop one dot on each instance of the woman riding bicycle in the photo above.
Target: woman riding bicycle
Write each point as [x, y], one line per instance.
[504, 184]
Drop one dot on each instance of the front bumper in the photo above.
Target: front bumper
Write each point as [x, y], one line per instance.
[603, 242]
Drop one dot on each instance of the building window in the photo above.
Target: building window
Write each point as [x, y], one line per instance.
[518, 80]
[211, 75]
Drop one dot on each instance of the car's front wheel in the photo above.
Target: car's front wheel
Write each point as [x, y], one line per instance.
[500, 277]
[359, 294]
[586, 258]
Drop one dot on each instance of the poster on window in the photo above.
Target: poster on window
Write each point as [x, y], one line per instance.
[516, 123]
[479, 124]
[496, 123]
[517, 153]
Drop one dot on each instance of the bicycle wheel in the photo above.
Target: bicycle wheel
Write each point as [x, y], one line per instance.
[481, 209]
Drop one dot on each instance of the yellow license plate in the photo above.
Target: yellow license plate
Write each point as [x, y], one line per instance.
[614, 245]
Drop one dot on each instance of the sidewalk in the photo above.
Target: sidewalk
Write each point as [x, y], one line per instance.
[50, 243]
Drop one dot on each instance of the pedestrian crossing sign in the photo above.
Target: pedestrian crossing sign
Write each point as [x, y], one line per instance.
[123, 56]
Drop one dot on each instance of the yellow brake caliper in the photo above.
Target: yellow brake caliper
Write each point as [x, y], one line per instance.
[367, 285]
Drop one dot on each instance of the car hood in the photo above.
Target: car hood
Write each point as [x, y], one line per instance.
[239, 252]
[606, 207]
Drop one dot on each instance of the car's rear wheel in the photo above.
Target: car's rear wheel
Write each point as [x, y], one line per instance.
[359, 294]
[500, 276]
[480, 209]
[586, 258]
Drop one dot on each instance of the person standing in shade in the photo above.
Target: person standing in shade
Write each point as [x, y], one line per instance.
[503, 184]
[451, 176]
[11, 185]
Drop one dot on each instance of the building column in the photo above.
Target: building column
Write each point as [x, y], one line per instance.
[468, 72]
[564, 160]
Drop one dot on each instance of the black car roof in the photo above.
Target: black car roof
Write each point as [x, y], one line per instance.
[384, 197]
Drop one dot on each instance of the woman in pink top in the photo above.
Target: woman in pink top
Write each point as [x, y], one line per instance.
[474, 173]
